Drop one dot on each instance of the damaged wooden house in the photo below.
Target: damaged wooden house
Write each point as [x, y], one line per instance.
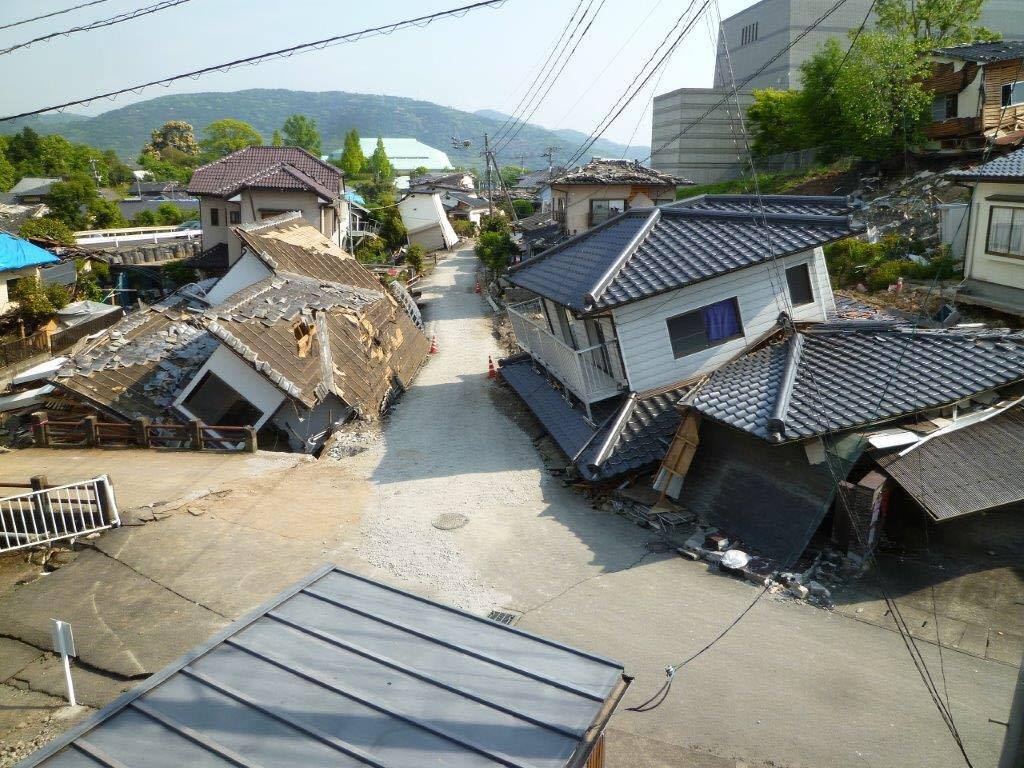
[295, 338]
[631, 314]
[791, 441]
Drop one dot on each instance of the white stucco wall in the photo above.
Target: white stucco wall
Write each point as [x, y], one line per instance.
[576, 200]
[981, 265]
[426, 221]
[13, 274]
[242, 378]
[761, 293]
[247, 270]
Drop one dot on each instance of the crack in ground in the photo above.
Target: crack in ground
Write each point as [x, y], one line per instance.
[164, 586]
[571, 587]
[78, 663]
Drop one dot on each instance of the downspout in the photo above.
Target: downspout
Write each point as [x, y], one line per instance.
[777, 423]
[590, 298]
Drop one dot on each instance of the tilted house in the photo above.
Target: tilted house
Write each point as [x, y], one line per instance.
[994, 257]
[585, 197]
[777, 429]
[632, 313]
[426, 221]
[258, 183]
[978, 95]
[296, 337]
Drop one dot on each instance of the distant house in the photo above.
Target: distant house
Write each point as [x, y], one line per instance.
[20, 259]
[457, 181]
[294, 339]
[31, 190]
[463, 206]
[979, 95]
[585, 197]
[406, 154]
[258, 183]
[994, 259]
[426, 221]
[632, 312]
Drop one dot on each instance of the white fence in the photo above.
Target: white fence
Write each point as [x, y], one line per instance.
[585, 372]
[56, 513]
[136, 235]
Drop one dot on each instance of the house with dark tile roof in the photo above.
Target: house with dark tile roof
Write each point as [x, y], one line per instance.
[778, 429]
[628, 316]
[295, 338]
[994, 253]
[584, 197]
[978, 95]
[257, 183]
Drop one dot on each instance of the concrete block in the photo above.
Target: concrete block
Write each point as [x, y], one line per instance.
[798, 590]
[818, 589]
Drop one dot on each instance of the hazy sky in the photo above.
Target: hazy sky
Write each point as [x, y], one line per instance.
[481, 60]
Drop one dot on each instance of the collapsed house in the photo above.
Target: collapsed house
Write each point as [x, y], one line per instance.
[295, 338]
[631, 314]
[768, 440]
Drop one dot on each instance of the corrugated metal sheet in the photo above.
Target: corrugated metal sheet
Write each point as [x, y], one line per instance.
[343, 671]
[969, 470]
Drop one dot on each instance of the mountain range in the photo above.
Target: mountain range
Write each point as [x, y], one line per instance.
[126, 129]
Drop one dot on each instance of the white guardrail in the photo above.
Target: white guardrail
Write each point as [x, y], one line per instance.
[57, 513]
[140, 235]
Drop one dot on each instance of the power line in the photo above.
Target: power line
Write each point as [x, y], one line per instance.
[51, 15]
[561, 68]
[540, 72]
[387, 29]
[121, 17]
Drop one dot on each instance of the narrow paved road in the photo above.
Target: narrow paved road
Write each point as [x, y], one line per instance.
[790, 686]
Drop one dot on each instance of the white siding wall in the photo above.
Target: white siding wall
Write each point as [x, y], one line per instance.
[241, 377]
[244, 272]
[761, 293]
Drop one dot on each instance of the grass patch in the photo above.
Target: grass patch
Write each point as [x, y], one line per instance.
[769, 183]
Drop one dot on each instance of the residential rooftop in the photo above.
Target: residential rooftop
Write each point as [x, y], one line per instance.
[984, 52]
[1005, 168]
[648, 251]
[608, 171]
[266, 168]
[799, 205]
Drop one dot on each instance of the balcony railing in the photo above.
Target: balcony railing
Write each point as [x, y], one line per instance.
[587, 373]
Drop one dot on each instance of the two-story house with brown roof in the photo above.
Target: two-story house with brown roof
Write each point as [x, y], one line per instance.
[258, 183]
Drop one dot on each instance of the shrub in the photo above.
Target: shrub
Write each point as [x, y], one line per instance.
[371, 250]
[495, 249]
[494, 223]
[48, 228]
[888, 272]
[523, 208]
[37, 303]
[464, 228]
[179, 273]
[414, 257]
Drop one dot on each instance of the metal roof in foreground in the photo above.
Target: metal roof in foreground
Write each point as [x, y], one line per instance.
[344, 671]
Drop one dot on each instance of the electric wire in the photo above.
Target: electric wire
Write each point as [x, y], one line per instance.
[524, 120]
[118, 19]
[351, 37]
[51, 14]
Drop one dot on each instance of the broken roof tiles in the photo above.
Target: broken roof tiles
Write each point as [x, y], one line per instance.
[647, 251]
[266, 167]
[839, 377]
[607, 171]
[984, 52]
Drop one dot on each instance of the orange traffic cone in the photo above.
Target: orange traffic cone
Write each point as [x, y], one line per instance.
[477, 289]
[433, 344]
[491, 372]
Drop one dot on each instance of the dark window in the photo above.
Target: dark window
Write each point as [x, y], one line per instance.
[269, 213]
[234, 217]
[214, 402]
[12, 286]
[748, 34]
[705, 327]
[1005, 231]
[214, 217]
[799, 280]
[1013, 93]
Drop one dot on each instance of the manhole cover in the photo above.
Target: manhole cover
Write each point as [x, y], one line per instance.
[449, 521]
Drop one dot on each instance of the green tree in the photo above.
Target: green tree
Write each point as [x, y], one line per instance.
[523, 208]
[174, 134]
[222, 137]
[379, 166]
[275, 139]
[104, 214]
[47, 228]
[352, 158]
[777, 122]
[495, 249]
[301, 131]
[169, 214]
[37, 303]
[69, 200]
[414, 257]
[510, 174]
[933, 23]
[420, 170]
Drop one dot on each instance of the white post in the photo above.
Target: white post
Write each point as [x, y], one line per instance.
[67, 678]
[64, 644]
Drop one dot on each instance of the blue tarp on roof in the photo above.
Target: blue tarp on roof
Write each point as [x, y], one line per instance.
[16, 253]
[355, 197]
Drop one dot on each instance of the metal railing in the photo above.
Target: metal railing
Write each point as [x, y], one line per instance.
[47, 342]
[49, 514]
[117, 237]
[590, 374]
[89, 432]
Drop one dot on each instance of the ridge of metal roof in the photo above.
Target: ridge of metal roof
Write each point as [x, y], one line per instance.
[541, 704]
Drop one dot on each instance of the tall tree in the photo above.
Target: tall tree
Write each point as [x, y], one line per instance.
[69, 200]
[301, 131]
[933, 23]
[222, 137]
[379, 165]
[275, 140]
[173, 135]
[352, 158]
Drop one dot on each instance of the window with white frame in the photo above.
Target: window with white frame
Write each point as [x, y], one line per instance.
[1013, 93]
[1005, 231]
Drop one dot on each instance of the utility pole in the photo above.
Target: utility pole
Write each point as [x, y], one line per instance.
[487, 164]
[522, 160]
[95, 173]
[549, 153]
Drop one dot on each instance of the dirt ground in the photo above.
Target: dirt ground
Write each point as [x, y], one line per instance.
[791, 685]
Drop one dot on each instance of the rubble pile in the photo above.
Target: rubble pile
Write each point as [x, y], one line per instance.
[907, 207]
